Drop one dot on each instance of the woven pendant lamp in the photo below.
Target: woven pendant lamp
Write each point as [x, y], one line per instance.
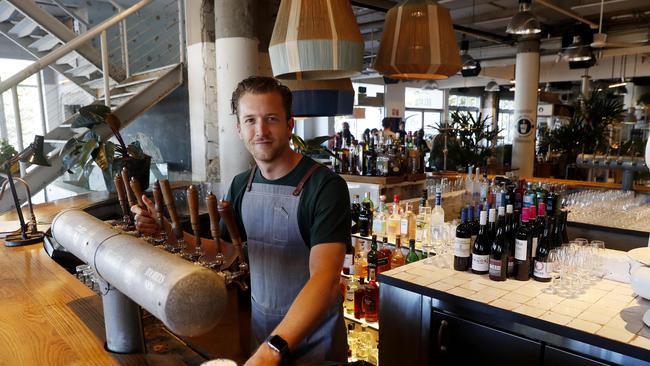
[320, 98]
[316, 40]
[418, 42]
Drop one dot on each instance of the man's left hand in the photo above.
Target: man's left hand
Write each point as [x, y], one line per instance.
[264, 356]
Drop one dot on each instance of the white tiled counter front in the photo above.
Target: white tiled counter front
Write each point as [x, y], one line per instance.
[606, 309]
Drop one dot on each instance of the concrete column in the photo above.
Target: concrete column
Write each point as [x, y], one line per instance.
[202, 86]
[490, 110]
[585, 86]
[527, 79]
[236, 59]
[3, 120]
[394, 100]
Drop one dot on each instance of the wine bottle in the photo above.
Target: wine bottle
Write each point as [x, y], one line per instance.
[523, 247]
[365, 219]
[355, 210]
[371, 299]
[383, 257]
[412, 256]
[498, 252]
[373, 257]
[348, 261]
[492, 223]
[481, 247]
[541, 267]
[462, 243]
[510, 239]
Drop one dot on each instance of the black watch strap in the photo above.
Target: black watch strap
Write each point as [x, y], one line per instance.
[278, 344]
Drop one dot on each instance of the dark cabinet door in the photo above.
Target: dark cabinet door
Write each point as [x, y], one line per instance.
[558, 357]
[457, 341]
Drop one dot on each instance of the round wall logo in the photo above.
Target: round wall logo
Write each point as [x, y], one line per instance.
[524, 126]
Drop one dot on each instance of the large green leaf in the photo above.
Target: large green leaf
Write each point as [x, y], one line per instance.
[90, 116]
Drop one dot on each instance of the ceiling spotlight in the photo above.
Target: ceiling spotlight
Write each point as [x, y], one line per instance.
[577, 50]
[524, 22]
[431, 85]
[466, 60]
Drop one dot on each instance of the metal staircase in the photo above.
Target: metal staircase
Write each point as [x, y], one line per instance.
[72, 56]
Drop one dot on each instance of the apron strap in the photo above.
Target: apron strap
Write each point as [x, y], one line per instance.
[312, 170]
[250, 178]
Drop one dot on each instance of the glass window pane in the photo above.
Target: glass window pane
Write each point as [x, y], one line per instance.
[413, 120]
[431, 121]
[424, 99]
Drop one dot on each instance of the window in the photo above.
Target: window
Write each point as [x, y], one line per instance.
[417, 98]
[423, 109]
[466, 103]
[506, 120]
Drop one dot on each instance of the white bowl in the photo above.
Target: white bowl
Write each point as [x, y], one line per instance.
[640, 281]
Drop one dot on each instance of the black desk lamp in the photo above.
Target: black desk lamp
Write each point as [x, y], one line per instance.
[33, 154]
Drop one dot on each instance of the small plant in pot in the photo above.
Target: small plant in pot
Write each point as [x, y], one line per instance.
[82, 152]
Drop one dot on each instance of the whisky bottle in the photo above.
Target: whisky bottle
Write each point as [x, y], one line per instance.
[407, 224]
[371, 299]
[383, 257]
[393, 227]
[397, 257]
[379, 219]
[373, 257]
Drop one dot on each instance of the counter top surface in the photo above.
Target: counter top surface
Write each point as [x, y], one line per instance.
[607, 308]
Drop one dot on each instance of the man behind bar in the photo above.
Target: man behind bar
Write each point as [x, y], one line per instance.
[296, 238]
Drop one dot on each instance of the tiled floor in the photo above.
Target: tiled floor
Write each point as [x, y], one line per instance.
[607, 308]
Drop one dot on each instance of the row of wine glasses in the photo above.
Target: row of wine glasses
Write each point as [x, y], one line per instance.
[575, 266]
[621, 209]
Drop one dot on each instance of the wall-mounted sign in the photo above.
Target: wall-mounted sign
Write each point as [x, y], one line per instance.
[525, 126]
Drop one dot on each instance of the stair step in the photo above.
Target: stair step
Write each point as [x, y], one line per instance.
[46, 43]
[129, 87]
[71, 59]
[99, 83]
[23, 28]
[6, 11]
[83, 70]
[122, 95]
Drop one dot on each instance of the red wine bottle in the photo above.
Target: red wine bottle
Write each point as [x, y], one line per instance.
[523, 248]
[462, 243]
[481, 247]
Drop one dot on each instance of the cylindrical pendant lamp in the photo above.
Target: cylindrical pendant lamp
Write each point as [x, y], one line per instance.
[418, 42]
[320, 98]
[316, 40]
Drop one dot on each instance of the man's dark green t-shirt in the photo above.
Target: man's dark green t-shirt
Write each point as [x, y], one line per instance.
[323, 210]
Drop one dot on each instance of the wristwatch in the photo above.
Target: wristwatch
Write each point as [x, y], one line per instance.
[278, 344]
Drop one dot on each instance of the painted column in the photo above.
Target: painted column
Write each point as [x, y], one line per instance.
[394, 100]
[236, 59]
[527, 80]
[202, 85]
[489, 110]
[585, 86]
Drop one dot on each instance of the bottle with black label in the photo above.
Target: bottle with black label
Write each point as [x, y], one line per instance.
[462, 243]
[365, 219]
[523, 248]
[383, 257]
[499, 251]
[541, 267]
[355, 210]
[481, 247]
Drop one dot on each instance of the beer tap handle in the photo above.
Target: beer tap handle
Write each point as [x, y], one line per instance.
[137, 192]
[158, 203]
[193, 206]
[228, 216]
[168, 198]
[126, 179]
[211, 203]
[121, 196]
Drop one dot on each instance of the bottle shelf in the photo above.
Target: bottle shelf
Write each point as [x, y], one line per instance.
[373, 325]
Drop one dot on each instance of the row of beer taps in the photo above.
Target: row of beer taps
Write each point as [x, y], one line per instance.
[228, 259]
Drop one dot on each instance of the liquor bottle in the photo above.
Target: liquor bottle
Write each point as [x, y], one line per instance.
[344, 155]
[541, 265]
[366, 199]
[462, 243]
[371, 299]
[373, 257]
[481, 247]
[498, 268]
[510, 195]
[422, 224]
[348, 261]
[370, 158]
[351, 286]
[500, 196]
[355, 210]
[358, 299]
[523, 248]
[519, 195]
[484, 188]
[397, 257]
[510, 238]
[476, 193]
[412, 256]
[353, 163]
[539, 225]
[394, 161]
[492, 223]
[530, 196]
[360, 260]
[424, 199]
[361, 158]
[383, 257]
[382, 160]
[365, 219]
[394, 221]
[438, 213]
[379, 218]
[407, 224]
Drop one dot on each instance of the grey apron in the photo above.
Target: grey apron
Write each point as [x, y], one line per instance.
[279, 263]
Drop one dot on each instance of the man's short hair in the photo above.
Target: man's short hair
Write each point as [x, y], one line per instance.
[261, 85]
[385, 122]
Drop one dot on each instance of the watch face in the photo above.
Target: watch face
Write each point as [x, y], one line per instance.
[278, 344]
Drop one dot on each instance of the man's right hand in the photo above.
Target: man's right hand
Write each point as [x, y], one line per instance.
[145, 221]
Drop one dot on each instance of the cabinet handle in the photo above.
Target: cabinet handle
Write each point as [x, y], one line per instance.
[442, 328]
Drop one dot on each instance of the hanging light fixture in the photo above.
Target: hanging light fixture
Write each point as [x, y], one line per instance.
[524, 22]
[577, 50]
[466, 60]
[492, 86]
[431, 85]
[418, 42]
[320, 98]
[316, 40]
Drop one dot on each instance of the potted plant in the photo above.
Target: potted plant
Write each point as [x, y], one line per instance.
[90, 148]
